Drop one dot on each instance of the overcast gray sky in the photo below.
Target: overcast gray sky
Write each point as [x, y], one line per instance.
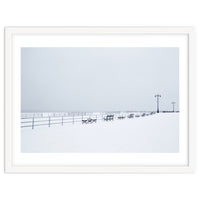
[98, 79]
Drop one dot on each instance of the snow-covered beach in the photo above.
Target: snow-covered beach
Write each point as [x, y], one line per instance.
[157, 133]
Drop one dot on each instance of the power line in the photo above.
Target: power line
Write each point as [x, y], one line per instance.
[157, 96]
[173, 104]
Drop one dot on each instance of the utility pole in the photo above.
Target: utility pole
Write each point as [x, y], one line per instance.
[157, 96]
[173, 103]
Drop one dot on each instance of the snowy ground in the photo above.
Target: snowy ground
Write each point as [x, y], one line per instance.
[157, 133]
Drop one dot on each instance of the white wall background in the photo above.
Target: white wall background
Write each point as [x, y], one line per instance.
[96, 13]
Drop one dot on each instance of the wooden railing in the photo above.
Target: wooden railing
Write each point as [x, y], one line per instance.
[41, 120]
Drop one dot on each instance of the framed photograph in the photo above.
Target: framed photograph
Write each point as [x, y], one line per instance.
[99, 100]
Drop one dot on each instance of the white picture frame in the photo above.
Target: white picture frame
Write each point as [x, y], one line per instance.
[10, 103]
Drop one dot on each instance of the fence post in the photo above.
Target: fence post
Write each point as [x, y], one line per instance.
[33, 123]
[49, 121]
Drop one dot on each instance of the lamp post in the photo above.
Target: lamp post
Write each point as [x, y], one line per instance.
[157, 96]
[173, 104]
